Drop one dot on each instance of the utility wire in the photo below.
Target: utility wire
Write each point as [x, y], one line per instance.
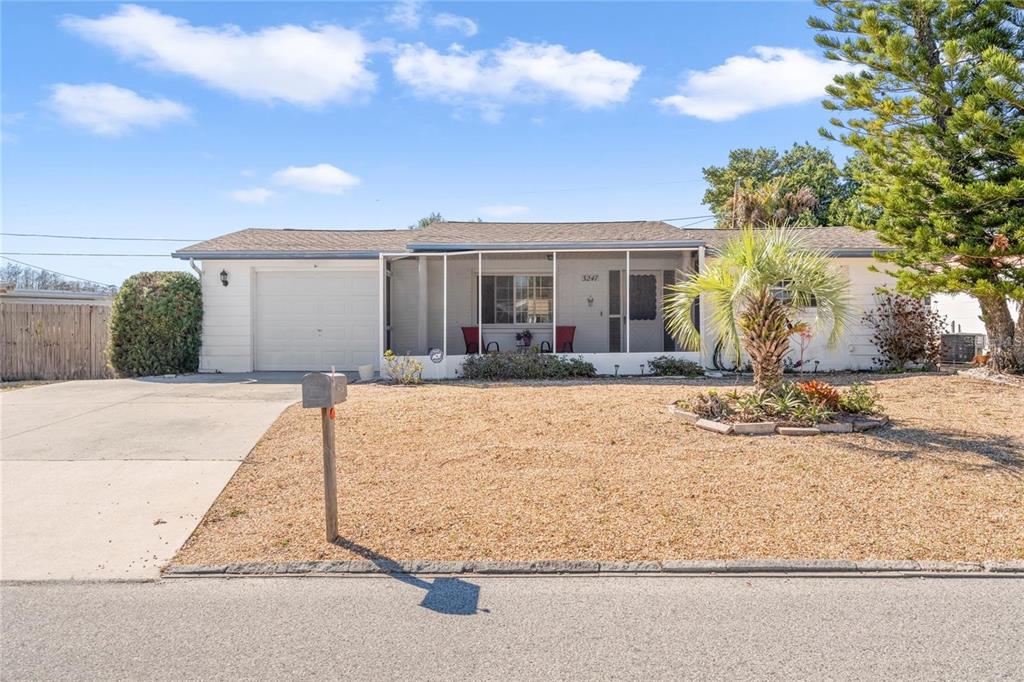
[697, 222]
[688, 217]
[120, 255]
[112, 239]
[54, 272]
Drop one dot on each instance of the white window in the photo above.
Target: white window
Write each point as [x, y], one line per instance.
[517, 299]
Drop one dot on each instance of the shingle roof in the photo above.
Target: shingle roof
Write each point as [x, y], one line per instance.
[285, 241]
[546, 233]
[270, 243]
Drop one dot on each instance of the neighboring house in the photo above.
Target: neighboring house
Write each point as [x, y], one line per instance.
[313, 299]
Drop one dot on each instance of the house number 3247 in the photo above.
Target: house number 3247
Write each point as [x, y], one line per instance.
[589, 278]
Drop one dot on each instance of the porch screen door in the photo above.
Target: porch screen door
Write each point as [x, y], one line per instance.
[615, 316]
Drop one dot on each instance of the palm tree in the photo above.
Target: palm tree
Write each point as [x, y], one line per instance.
[755, 287]
[771, 203]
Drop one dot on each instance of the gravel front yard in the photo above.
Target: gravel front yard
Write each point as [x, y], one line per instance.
[601, 471]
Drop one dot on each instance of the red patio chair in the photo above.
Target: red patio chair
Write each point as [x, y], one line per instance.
[564, 336]
[471, 335]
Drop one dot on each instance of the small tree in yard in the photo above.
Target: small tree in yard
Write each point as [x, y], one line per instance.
[155, 324]
[758, 283]
[907, 331]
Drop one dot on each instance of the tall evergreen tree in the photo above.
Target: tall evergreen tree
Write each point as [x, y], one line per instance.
[937, 109]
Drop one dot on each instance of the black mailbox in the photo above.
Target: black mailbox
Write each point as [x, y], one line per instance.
[323, 390]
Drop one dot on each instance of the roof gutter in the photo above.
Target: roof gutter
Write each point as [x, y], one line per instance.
[539, 246]
[276, 255]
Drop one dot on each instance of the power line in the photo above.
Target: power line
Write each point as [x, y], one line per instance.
[119, 255]
[688, 217]
[697, 222]
[112, 239]
[54, 272]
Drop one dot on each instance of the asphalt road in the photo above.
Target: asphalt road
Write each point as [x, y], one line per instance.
[516, 628]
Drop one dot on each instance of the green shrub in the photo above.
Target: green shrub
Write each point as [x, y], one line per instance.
[403, 370]
[156, 324]
[531, 365]
[667, 366]
[859, 399]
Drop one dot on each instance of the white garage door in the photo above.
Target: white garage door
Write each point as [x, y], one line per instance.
[313, 320]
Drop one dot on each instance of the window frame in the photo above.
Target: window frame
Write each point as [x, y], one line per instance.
[514, 308]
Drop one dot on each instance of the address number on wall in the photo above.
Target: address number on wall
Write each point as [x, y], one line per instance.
[590, 278]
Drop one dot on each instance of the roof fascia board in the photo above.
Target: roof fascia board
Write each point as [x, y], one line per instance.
[276, 255]
[548, 246]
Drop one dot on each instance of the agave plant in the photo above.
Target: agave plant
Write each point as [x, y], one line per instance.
[754, 288]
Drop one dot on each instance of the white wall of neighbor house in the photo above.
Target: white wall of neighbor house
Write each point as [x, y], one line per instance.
[230, 336]
[581, 298]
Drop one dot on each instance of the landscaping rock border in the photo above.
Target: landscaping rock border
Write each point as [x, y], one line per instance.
[580, 567]
[772, 428]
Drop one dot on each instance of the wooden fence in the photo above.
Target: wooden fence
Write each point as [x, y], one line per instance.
[53, 341]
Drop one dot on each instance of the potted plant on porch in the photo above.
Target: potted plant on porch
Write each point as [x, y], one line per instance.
[524, 338]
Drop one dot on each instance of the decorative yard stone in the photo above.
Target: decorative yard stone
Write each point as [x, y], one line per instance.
[835, 427]
[868, 424]
[754, 428]
[686, 416]
[798, 431]
[717, 427]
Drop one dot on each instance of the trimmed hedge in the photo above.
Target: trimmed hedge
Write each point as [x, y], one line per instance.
[667, 366]
[155, 324]
[510, 365]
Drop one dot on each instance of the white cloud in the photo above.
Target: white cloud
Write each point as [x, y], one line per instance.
[106, 109]
[253, 195]
[463, 25]
[323, 178]
[517, 71]
[773, 77]
[407, 14]
[502, 210]
[306, 67]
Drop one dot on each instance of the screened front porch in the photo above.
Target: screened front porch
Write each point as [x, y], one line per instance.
[605, 305]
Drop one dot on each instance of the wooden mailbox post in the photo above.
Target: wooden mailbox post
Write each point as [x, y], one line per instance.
[325, 391]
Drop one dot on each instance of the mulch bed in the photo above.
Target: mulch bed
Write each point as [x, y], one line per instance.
[600, 470]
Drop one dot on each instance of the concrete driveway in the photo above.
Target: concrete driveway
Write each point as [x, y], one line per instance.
[106, 479]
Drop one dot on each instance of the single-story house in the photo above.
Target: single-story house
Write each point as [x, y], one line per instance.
[283, 299]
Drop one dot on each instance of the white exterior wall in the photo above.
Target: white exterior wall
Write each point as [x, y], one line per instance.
[854, 349]
[228, 311]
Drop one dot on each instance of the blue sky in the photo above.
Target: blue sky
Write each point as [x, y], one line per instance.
[189, 120]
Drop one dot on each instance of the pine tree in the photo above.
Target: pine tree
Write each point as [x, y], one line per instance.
[935, 104]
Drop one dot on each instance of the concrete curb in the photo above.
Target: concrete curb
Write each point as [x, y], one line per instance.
[732, 567]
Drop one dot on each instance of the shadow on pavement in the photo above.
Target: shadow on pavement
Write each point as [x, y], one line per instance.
[451, 596]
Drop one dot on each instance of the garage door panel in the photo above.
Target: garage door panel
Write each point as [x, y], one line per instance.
[315, 320]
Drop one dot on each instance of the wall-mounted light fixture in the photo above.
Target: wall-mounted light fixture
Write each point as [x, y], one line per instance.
[590, 301]
[224, 277]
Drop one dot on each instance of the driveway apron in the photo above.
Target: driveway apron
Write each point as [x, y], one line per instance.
[106, 479]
